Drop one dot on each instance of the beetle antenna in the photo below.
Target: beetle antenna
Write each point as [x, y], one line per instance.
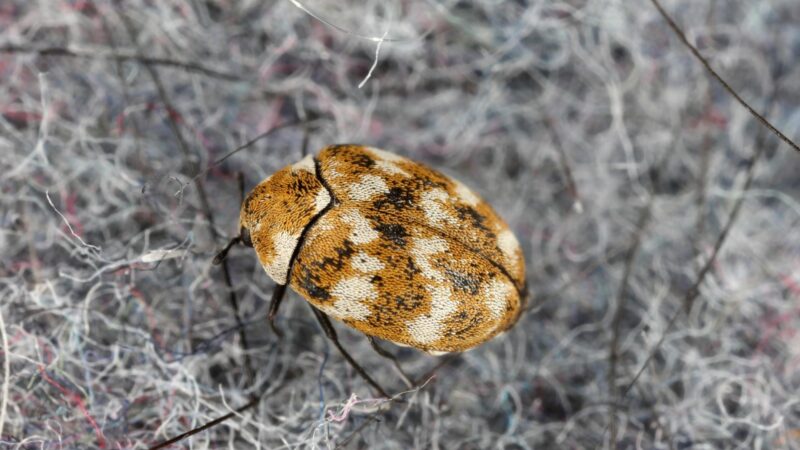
[224, 252]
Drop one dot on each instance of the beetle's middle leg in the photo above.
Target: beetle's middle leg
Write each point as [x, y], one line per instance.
[388, 355]
[327, 327]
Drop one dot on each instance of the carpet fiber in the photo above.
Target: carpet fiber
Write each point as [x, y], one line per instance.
[659, 220]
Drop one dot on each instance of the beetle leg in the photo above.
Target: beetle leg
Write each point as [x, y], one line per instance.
[224, 252]
[274, 304]
[327, 327]
[388, 355]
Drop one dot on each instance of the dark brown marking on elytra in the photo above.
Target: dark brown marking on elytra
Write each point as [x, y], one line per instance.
[339, 148]
[409, 302]
[463, 282]
[308, 281]
[467, 213]
[393, 232]
[382, 315]
[363, 160]
[462, 324]
[425, 183]
[343, 255]
[411, 269]
[398, 197]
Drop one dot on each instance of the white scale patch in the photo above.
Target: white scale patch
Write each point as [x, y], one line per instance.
[325, 223]
[509, 245]
[432, 203]
[391, 168]
[422, 250]
[331, 171]
[321, 200]
[496, 294]
[362, 232]
[466, 195]
[349, 295]
[306, 164]
[428, 328]
[363, 262]
[367, 187]
[283, 245]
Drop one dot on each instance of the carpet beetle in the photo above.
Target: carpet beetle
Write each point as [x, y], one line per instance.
[388, 246]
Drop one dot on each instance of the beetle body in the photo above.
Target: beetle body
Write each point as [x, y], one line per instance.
[388, 246]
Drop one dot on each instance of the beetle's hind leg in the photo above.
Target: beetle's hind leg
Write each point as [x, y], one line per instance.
[388, 355]
[327, 327]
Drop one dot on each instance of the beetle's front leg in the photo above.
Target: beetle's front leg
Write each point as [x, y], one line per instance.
[274, 304]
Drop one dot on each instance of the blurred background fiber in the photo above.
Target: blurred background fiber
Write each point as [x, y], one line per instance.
[606, 146]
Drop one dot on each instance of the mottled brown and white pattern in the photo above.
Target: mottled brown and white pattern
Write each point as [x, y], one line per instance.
[389, 247]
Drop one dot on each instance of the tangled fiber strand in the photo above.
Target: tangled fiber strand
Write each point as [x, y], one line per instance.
[571, 118]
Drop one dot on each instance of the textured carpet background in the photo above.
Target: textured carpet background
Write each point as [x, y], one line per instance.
[613, 155]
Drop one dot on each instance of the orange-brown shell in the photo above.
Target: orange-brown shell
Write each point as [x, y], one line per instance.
[402, 252]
